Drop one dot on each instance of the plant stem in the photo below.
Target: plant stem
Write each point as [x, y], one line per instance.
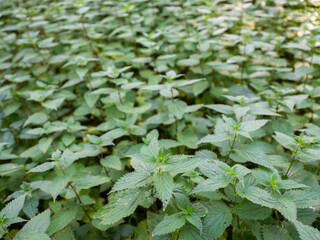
[235, 203]
[175, 118]
[6, 231]
[306, 79]
[231, 148]
[292, 160]
[77, 195]
[85, 33]
[277, 215]
[121, 101]
[201, 67]
[243, 64]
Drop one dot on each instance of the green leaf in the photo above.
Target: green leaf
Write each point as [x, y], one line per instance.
[141, 232]
[177, 108]
[263, 198]
[250, 126]
[249, 210]
[13, 208]
[9, 168]
[123, 207]
[188, 138]
[43, 167]
[81, 72]
[222, 108]
[189, 232]
[188, 62]
[132, 180]
[195, 221]
[36, 119]
[215, 138]
[307, 215]
[44, 144]
[217, 220]
[61, 219]
[31, 234]
[251, 153]
[307, 232]
[164, 185]
[56, 187]
[39, 223]
[275, 232]
[183, 166]
[169, 224]
[212, 184]
[113, 162]
[90, 181]
[285, 140]
[304, 198]
[64, 234]
[91, 99]
[53, 104]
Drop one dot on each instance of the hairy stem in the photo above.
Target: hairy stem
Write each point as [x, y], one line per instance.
[85, 33]
[231, 148]
[244, 63]
[306, 79]
[175, 118]
[77, 195]
[277, 215]
[6, 231]
[235, 203]
[291, 163]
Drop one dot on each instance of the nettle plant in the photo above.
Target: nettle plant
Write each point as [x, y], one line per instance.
[178, 120]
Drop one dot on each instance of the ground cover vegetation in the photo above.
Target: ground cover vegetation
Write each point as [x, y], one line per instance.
[159, 119]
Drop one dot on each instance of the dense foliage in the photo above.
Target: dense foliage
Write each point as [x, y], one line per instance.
[159, 119]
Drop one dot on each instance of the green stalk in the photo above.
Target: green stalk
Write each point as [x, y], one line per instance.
[231, 148]
[77, 195]
[291, 163]
[306, 79]
[201, 67]
[175, 118]
[243, 64]
[85, 33]
[235, 203]
[6, 231]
